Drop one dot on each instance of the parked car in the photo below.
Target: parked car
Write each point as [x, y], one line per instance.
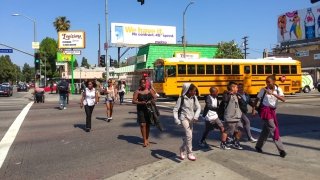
[307, 83]
[22, 87]
[318, 85]
[6, 90]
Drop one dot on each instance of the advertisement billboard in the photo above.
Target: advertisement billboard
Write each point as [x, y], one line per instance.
[134, 35]
[61, 57]
[71, 40]
[299, 25]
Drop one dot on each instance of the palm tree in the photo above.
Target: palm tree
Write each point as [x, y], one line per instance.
[61, 24]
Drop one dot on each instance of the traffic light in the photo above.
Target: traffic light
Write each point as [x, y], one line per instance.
[37, 61]
[111, 62]
[141, 1]
[102, 62]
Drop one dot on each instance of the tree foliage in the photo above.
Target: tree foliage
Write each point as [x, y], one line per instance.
[48, 50]
[229, 50]
[9, 72]
[28, 72]
[61, 24]
[84, 63]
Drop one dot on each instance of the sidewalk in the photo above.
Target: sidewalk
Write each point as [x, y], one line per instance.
[300, 163]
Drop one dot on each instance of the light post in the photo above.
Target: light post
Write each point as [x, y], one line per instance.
[34, 34]
[184, 30]
[106, 45]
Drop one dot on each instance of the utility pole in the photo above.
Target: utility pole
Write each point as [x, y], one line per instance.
[99, 50]
[106, 45]
[245, 46]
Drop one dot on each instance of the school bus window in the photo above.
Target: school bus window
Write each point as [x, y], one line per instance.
[181, 69]
[209, 69]
[247, 69]
[260, 69]
[200, 69]
[218, 69]
[285, 69]
[191, 69]
[171, 71]
[227, 69]
[293, 69]
[276, 69]
[235, 69]
[254, 69]
[268, 69]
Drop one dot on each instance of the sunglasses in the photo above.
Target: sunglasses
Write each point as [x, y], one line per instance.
[109, 82]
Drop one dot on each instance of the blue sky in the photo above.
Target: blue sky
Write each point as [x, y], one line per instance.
[207, 21]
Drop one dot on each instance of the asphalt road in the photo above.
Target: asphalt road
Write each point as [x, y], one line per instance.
[52, 144]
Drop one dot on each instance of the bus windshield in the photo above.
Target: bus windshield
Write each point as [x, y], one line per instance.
[159, 71]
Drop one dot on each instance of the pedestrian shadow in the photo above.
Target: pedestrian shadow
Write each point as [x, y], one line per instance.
[102, 118]
[132, 112]
[130, 124]
[131, 139]
[252, 149]
[161, 154]
[80, 126]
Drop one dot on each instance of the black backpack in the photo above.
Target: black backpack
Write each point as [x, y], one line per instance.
[63, 87]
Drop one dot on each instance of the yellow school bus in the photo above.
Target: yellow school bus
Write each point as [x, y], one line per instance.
[171, 73]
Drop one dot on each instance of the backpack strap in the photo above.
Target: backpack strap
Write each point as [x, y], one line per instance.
[264, 94]
[181, 103]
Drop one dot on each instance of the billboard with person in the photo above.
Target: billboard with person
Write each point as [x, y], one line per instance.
[301, 24]
[134, 35]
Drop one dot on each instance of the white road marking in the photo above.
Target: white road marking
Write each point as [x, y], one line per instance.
[255, 129]
[11, 134]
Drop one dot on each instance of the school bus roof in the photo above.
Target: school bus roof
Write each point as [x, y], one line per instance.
[270, 60]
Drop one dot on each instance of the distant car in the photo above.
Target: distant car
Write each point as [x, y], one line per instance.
[307, 83]
[22, 87]
[6, 91]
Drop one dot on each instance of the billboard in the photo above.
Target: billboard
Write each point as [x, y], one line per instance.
[134, 35]
[61, 57]
[71, 40]
[301, 24]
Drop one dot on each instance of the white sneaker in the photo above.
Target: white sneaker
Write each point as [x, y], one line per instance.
[65, 108]
[253, 140]
[191, 157]
[157, 95]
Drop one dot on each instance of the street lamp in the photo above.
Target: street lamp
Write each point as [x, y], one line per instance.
[184, 30]
[34, 31]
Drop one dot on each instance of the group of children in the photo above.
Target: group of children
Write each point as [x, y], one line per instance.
[229, 116]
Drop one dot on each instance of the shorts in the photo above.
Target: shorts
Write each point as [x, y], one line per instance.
[215, 124]
[108, 101]
[231, 127]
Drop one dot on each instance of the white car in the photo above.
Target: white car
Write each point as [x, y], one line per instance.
[307, 83]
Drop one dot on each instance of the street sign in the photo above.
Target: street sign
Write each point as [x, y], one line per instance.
[105, 46]
[6, 50]
[302, 54]
[74, 52]
[35, 45]
[316, 56]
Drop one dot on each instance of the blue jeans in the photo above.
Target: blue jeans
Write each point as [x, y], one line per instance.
[63, 100]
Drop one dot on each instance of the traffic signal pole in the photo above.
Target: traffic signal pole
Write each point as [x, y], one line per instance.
[106, 46]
